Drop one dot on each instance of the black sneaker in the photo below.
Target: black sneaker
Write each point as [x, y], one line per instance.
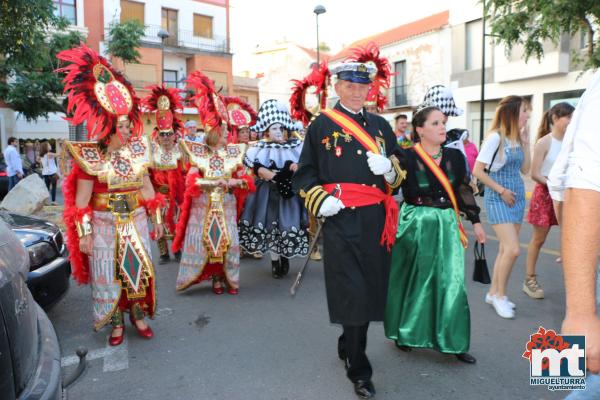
[164, 259]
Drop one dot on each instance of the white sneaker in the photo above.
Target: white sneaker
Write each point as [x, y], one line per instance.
[488, 300]
[502, 307]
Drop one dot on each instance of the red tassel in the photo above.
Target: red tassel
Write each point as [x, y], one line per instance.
[191, 191]
[388, 236]
[79, 261]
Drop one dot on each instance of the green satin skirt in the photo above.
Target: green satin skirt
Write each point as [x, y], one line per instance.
[427, 301]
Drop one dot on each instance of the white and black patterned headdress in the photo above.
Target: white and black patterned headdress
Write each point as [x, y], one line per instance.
[441, 97]
[272, 112]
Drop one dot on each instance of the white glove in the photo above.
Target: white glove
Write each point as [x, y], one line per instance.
[378, 164]
[330, 207]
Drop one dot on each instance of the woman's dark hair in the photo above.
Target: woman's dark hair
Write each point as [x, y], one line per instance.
[559, 110]
[45, 149]
[419, 118]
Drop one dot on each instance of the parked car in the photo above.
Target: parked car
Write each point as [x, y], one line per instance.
[29, 349]
[50, 270]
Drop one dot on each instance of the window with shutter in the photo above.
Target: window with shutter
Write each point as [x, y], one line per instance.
[203, 26]
[131, 10]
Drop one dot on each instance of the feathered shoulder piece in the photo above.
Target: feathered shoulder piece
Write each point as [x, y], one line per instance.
[316, 84]
[166, 103]
[97, 93]
[211, 108]
[370, 54]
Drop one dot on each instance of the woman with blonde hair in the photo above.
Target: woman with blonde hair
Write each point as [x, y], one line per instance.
[541, 211]
[504, 156]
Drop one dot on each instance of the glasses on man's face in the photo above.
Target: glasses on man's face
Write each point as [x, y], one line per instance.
[165, 134]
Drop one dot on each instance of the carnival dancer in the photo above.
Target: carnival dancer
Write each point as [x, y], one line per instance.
[108, 194]
[207, 228]
[427, 301]
[344, 175]
[309, 97]
[274, 219]
[241, 117]
[166, 172]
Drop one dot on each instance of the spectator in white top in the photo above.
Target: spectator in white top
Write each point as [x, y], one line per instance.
[14, 164]
[49, 169]
[575, 179]
[193, 133]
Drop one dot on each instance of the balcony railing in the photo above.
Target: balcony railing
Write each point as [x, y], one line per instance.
[186, 39]
[398, 95]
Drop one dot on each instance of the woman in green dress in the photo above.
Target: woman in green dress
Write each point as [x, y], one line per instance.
[427, 301]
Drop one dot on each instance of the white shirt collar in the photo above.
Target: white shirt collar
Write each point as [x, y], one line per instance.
[349, 110]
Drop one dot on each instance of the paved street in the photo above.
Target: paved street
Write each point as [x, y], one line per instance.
[262, 344]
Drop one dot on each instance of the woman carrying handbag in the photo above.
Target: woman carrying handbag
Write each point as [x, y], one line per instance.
[427, 303]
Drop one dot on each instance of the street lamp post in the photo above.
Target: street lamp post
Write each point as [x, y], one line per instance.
[162, 34]
[318, 10]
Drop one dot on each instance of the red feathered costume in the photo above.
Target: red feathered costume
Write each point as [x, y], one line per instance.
[114, 219]
[207, 228]
[166, 173]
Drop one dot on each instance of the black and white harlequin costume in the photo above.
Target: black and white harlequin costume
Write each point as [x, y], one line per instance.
[442, 98]
[274, 219]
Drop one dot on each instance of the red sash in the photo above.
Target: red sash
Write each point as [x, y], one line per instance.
[443, 179]
[350, 126]
[357, 195]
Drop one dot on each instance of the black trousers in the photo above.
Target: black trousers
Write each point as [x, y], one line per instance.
[51, 185]
[351, 347]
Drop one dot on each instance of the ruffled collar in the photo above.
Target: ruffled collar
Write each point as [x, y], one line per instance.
[267, 153]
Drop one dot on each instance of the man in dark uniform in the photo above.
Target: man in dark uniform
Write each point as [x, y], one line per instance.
[345, 175]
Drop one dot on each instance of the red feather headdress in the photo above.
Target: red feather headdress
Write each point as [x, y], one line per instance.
[319, 79]
[241, 115]
[211, 109]
[166, 103]
[97, 93]
[370, 54]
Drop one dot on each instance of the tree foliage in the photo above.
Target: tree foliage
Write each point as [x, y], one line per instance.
[30, 37]
[530, 23]
[124, 40]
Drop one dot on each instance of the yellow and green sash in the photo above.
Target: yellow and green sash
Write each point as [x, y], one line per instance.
[443, 179]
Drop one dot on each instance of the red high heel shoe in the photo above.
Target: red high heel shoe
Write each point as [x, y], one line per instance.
[145, 333]
[117, 340]
[215, 289]
[233, 291]
[116, 320]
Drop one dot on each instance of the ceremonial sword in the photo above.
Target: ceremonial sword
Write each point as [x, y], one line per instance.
[300, 275]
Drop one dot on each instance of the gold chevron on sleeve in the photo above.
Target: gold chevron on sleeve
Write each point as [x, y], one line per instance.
[400, 173]
[308, 195]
